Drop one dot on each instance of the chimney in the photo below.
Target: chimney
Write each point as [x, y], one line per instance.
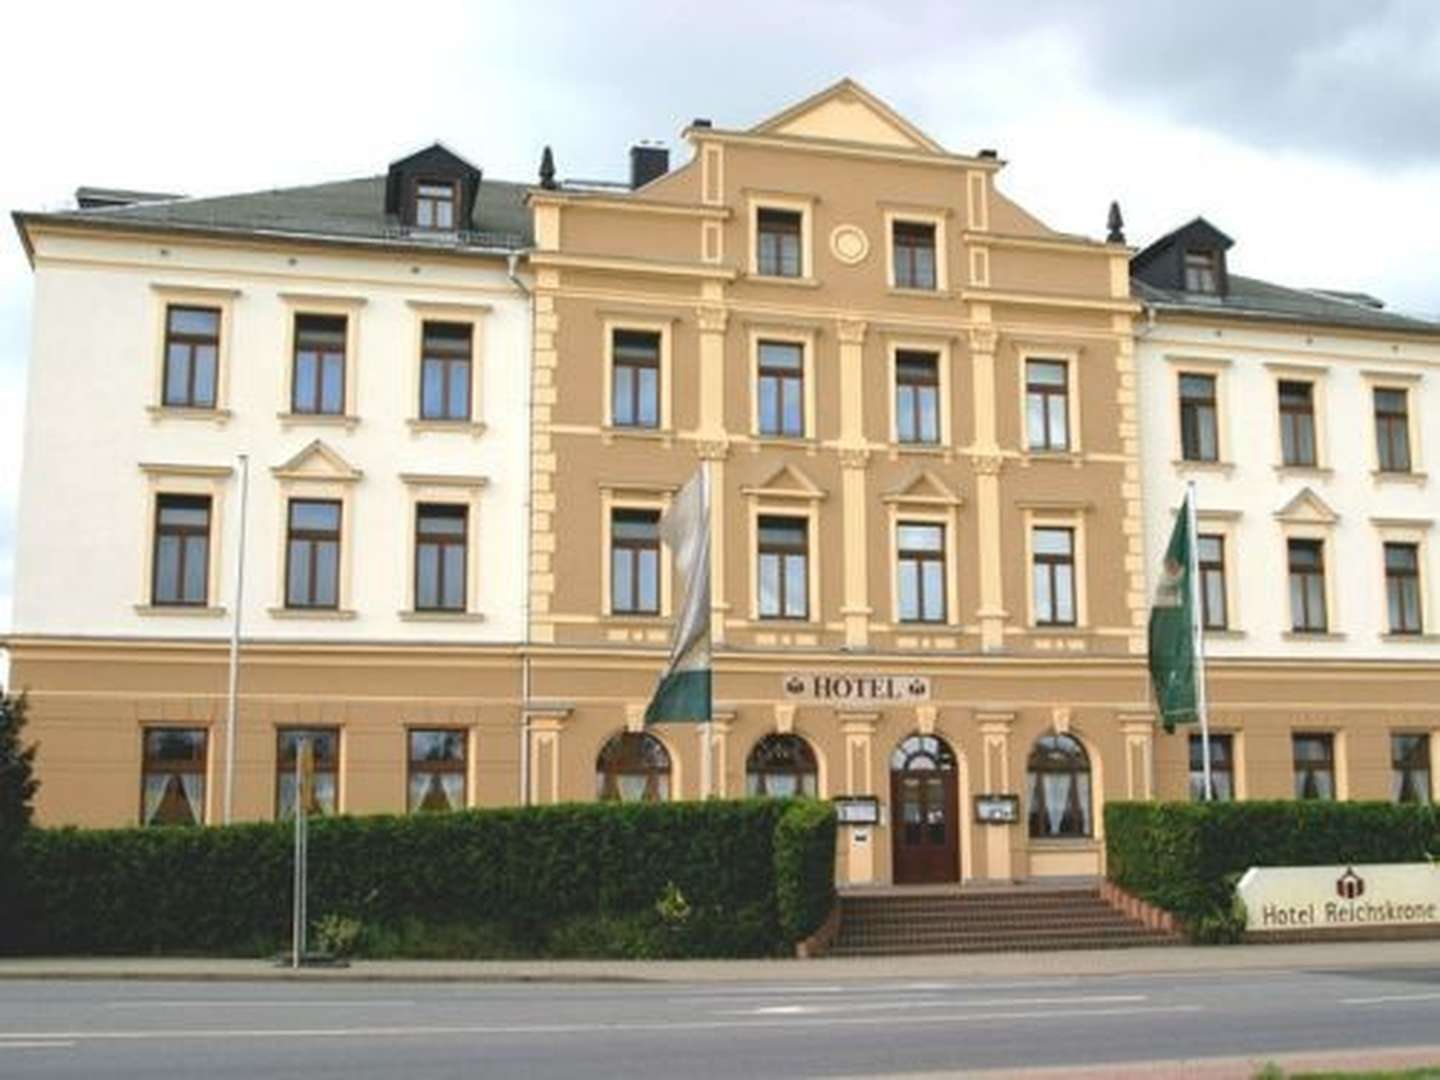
[988, 154]
[648, 161]
[701, 122]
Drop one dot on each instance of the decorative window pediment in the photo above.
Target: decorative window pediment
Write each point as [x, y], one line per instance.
[924, 488]
[1307, 508]
[787, 482]
[318, 461]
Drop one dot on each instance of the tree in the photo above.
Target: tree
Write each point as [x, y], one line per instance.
[17, 763]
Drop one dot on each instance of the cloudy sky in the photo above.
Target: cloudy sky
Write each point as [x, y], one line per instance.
[1306, 130]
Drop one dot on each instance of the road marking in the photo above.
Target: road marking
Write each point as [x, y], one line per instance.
[940, 1003]
[430, 1031]
[1387, 999]
[36, 1044]
[273, 1003]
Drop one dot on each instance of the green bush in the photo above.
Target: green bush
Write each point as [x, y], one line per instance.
[1187, 857]
[805, 867]
[579, 879]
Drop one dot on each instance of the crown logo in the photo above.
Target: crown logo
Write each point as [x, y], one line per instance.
[1350, 885]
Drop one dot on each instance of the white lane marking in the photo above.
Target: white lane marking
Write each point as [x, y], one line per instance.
[867, 988]
[1386, 999]
[940, 1003]
[36, 1044]
[274, 1003]
[194, 1034]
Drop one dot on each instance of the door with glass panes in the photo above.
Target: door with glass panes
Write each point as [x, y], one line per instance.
[924, 808]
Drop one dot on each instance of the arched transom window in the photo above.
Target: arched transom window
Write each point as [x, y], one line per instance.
[922, 753]
[1059, 776]
[781, 766]
[633, 767]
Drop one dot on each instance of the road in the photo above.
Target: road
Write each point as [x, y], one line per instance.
[153, 1030]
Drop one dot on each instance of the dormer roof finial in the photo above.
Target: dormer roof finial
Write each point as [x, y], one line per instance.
[547, 170]
[1116, 224]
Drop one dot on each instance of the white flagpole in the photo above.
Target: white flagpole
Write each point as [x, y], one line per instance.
[235, 643]
[1197, 635]
[707, 763]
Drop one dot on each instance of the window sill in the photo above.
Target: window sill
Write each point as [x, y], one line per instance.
[1312, 635]
[327, 614]
[777, 279]
[643, 434]
[628, 618]
[1322, 471]
[473, 428]
[1225, 467]
[1068, 843]
[920, 294]
[181, 412]
[442, 616]
[1225, 635]
[294, 419]
[800, 442]
[1071, 456]
[1406, 639]
[1387, 476]
[191, 611]
[921, 449]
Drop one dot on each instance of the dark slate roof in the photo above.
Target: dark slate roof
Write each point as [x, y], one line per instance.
[1252, 298]
[346, 211]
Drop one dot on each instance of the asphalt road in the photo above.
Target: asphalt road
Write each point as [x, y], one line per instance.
[153, 1030]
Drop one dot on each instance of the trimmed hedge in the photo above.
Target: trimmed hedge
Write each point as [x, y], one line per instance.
[1186, 857]
[581, 879]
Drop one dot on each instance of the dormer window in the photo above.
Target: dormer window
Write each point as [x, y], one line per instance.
[1201, 272]
[435, 204]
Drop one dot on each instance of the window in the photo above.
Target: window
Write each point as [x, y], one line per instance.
[1059, 777]
[1307, 586]
[181, 572]
[318, 376]
[635, 375]
[1222, 767]
[172, 786]
[1297, 423]
[440, 562]
[1047, 404]
[633, 767]
[192, 356]
[1410, 768]
[1201, 273]
[1392, 430]
[917, 397]
[777, 243]
[1314, 766]
[781, 766]
[312, 572]
[325, 748]
[1054, 576]
[437, 770]
[781, 391]
[921, 573]
[435, 204]
[784, 568]
[635, 562]
[1211, 557]
[1199, 435]
[445, 371]
[1402, 587]
[914, 255]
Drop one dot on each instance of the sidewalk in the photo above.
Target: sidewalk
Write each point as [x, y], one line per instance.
[1171, 960]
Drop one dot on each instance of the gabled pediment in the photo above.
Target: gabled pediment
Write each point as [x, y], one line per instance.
[318, 462]
[1307, 508]
[847, 112]
[924, 488]
[786, 482]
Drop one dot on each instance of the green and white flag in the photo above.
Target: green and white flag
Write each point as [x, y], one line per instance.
[684, 690]
[1173, 662]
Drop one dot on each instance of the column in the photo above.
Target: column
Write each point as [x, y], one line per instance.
[858, 842]
[1000, 840]
[713, 446]
[854, 457]
[988, 462]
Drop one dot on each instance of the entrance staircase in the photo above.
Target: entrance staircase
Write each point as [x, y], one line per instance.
[927, 919]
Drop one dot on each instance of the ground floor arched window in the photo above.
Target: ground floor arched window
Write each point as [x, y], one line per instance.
[782, 766]
[1059, 778]
[633, 767]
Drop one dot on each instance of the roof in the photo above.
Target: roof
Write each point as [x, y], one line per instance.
[344, 211]
[1252, 298]
[1196, 233]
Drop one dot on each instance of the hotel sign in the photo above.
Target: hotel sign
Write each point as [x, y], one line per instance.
[856, 688]
[1340, 897]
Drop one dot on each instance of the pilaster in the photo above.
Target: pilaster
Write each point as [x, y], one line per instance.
[854, 459]
[988, 463]
[1139, 732]
[999, 841]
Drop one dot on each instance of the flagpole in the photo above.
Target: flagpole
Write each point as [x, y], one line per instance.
[1197, 635]
[707, 764]
[230, 701]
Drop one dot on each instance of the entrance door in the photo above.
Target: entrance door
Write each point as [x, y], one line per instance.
[923, 809]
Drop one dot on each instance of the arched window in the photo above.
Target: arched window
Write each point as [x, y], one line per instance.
[633, 767]
[922, 753]
[781, 766]
[1059, 775]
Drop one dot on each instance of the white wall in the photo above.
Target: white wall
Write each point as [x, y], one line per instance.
[1250, 359]
[85, 502]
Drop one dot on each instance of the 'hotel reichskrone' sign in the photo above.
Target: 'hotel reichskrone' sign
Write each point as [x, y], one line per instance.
[1340, 897]
[857, 688]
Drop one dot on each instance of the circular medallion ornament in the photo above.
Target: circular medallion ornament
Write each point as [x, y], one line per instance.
[849, 244]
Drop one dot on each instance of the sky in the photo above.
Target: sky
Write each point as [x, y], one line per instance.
[1307, 131]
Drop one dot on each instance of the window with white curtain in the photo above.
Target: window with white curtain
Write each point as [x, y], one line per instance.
[1059, 779]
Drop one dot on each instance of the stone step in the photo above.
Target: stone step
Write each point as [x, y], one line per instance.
[995, 944]
[935, 932]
